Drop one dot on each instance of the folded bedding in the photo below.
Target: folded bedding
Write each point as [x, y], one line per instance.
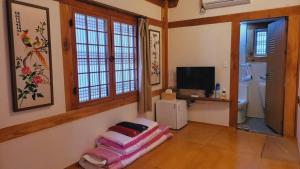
[149, 123]
[103, 155]
[123, 141]
[134, 126]
[147, 148]
[86, 165]
[121, 145]
[114, 160]
[88, 162]
[125, 151]
[124, 130]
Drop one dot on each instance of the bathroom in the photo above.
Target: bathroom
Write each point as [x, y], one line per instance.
[256, 74]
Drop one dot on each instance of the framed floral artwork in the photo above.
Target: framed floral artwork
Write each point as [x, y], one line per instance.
[30, 55]
[155, 56]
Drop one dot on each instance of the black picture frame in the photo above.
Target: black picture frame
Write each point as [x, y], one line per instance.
[155, 69]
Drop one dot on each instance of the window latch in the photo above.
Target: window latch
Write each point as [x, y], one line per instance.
[111, 58]
[74, 90]
[71, 22]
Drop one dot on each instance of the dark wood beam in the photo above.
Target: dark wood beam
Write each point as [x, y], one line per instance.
[171, 3]
[164, 16]
[156, 2]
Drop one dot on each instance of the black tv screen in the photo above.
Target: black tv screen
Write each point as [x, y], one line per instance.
[201, 78]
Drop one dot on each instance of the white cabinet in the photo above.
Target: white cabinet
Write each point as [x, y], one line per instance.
[172, 113]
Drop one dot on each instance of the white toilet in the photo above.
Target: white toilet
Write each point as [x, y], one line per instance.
[242, 102]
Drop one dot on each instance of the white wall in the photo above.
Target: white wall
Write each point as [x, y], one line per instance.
[7, 116]
[141, 7]
[60, 146]
[189, 9]
[205, 45]
[209, 112]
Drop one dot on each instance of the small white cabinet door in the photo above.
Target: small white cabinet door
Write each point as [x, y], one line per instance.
[181, 114]
[172, 113]
[166, 113]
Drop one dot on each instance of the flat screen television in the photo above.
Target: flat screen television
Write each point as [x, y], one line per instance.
[201, 78]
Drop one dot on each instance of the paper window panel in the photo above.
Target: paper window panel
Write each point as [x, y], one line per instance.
[92, 57]
[125, 57]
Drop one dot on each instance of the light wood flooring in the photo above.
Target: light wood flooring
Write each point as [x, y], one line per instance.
[203, 146]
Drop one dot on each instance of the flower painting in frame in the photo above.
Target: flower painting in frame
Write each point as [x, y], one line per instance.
[30, 55]
[155, 56]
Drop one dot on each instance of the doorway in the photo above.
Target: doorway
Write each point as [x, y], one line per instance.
[262, 75]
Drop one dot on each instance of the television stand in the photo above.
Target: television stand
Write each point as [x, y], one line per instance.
[191, 98]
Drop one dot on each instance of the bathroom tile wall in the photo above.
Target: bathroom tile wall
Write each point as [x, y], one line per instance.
[255, 105]
[257, 69]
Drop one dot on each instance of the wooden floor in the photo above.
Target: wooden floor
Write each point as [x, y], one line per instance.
[202, 146]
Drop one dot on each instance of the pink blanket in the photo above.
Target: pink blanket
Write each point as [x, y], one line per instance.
[122, 141]
[117, 150]
[104, 153]
[139, 144]
[124, 160]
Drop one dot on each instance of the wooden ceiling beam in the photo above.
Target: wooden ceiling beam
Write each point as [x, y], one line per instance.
[171, 3]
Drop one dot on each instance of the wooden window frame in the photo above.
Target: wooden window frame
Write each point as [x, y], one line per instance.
[129, 22]
[255, 42]
[254, 57]
[109, 16]
[75, 71]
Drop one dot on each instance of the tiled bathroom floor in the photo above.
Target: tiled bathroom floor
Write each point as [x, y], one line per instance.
[256, 125]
